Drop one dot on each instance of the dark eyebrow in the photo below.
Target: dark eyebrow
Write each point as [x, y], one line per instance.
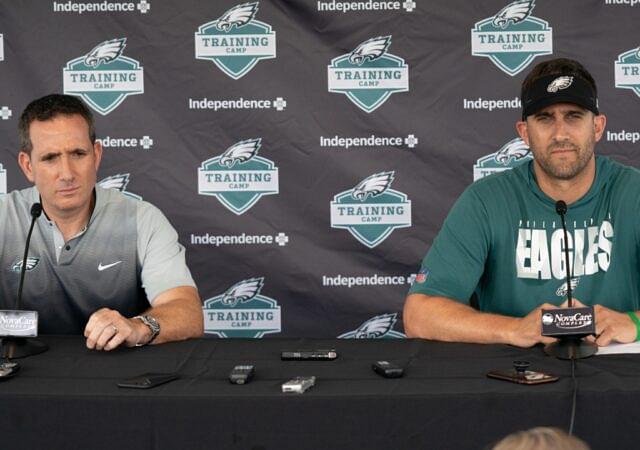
[542, 114]
[50, 155]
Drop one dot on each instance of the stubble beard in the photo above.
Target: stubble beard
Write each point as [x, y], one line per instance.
[563, 169]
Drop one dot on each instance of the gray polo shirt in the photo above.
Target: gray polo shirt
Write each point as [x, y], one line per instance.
[126, 256]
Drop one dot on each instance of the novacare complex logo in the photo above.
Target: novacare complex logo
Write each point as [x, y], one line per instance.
[103, 77]
[3, 180]
[628, 70]
[512, 154]
[369, 75]
[242, 312]
[371, 211]
[238, 178]
[378, 327]
[119, 183]
[235, 42]
[512, 38]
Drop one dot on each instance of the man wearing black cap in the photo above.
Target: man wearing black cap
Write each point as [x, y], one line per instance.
[502, 243]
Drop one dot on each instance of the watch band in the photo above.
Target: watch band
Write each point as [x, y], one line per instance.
[153, 325]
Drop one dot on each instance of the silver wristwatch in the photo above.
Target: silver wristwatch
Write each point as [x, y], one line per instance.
[153, 325]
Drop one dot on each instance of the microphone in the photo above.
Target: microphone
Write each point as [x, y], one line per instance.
[569, 324]
[36, 210]
[22, 323]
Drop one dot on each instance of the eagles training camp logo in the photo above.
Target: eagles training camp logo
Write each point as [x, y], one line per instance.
[369, 75]
[371, 210]
[238, 178]
[627, 71]
[104, 77]
[512, 154]
[3, 180]
[378, 327]
[119, 182]
[32, 262]
[242, 312]
[513, 37]
[235, 42]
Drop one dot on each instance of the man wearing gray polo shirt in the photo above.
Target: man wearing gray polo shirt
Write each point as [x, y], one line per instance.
[100, 263]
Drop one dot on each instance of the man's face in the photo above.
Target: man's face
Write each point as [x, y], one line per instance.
[63, 164]
[562, 138]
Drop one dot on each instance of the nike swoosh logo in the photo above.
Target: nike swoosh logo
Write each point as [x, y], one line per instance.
[108, 266]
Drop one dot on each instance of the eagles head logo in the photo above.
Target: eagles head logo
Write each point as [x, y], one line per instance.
[373, 186]
[559, 83]
[31, 264]
[240, 152]
[118, 182]
[370, 50]
[513, 13]
[376, 327]
[562, 290]
[105, 52]
[237, 16]
[512, 150]
[242, 291]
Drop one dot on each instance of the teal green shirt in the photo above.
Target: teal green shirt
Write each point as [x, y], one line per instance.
[503, 241]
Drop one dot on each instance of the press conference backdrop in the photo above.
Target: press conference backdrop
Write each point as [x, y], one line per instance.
[308, 151]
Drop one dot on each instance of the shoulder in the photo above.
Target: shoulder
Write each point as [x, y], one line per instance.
[616, 171]
[621, 180]
[19, 199]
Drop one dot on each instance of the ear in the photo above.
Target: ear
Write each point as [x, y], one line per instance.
[24, 161]
[97, 152]
[521, 127]
[599, 123]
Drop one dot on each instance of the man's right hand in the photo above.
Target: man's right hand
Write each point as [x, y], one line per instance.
[527, 330]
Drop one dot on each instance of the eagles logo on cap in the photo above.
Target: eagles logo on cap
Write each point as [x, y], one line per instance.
[559, 84]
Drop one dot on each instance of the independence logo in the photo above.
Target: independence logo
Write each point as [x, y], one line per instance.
[1, 47]
[235, 42]
[241, 312]
[103, 77]
[369, 75]
[512, 38]
[378, 327]
[238, 178]
[628, 70]
[512, 154]
[3, 180]
[371, 211]
[119, 182]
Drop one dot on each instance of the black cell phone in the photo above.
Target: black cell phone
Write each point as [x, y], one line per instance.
[308, 355]
[525, 377]
[147, 380]
[387, 369]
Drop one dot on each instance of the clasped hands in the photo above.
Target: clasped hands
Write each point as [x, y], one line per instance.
[611, 326]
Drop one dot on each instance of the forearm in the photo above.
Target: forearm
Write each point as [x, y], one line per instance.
[442, 319]
[179, 316]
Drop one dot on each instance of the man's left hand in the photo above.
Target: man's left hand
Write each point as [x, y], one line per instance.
[108, 329]
[611, 326]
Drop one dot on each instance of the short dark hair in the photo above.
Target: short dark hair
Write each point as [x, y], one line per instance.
[558, 66]
[48, 107]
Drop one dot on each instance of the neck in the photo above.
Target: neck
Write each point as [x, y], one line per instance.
[72, 222]
[570, 190]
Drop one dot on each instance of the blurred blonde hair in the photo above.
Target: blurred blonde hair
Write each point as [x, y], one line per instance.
[541, 438]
